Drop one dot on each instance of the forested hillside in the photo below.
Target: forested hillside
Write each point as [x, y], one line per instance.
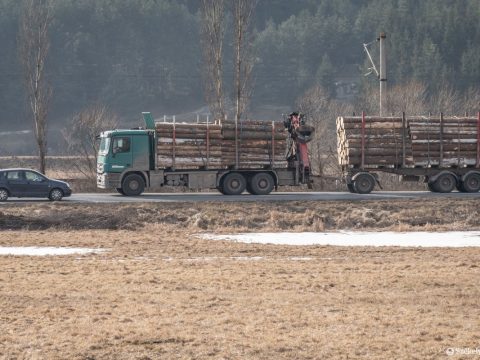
[134, 55]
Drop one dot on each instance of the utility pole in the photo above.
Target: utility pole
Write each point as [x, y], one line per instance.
[383, 74]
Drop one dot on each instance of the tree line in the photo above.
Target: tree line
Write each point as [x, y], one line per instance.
[134, 55]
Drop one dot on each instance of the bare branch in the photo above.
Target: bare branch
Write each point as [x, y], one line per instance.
[81, 137]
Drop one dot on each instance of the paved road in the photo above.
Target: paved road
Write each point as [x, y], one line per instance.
[284, 196]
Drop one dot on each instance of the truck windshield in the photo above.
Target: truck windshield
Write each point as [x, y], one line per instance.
[104, 145]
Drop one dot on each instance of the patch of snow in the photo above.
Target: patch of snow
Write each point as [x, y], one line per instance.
[350, 238]
[45, 251]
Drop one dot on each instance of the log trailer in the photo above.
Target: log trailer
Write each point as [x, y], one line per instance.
[250, 155]
[443, 151]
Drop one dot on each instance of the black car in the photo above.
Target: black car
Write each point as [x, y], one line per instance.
[30, 183]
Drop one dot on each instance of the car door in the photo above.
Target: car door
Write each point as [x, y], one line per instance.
[17, 184]
[37, 184]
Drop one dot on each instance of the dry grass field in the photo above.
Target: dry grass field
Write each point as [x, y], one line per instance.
[162, 293]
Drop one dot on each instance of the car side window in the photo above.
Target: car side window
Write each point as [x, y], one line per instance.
[33, 176]
[121, 145]
[14, 175]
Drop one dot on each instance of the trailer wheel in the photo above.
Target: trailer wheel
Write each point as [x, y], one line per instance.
[233, 184]
[133, 185]
[261, 183]
[445, 183]
[471, 183]
[351, 188]
[364, 183]
[430, 187]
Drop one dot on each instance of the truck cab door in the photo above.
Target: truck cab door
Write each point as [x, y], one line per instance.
[121, 153]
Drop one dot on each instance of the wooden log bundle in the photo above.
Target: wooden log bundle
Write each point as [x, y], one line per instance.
[375, 142]
[429, 141]
[253, 143]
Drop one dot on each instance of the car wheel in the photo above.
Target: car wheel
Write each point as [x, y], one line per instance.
[3, 194]
[55, 195]
[133, 185]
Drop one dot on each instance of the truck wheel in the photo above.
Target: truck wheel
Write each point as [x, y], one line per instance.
[445, 183]
[364, 183]
[133, 185]
[261, 183]
[233, 184]
[220, 189]
[471, 183]
[3, 194]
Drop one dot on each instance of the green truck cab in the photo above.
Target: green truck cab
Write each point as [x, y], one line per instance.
[125, 155]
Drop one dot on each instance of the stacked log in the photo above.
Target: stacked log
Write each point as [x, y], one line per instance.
[188, 145]
[444, 141]
[377, 143]
[259, 144]
[429, 141]
[202, 145]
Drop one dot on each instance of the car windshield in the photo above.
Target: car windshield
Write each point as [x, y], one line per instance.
[104, 145]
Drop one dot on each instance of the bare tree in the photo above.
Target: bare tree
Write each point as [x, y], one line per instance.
[243, 57]
[446, 100]
[34, 44]
[212, 35]
[410, 98]
[471, 101]
[81, 137]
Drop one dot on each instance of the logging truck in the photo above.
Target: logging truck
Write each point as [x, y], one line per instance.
[442, 151]
[255, 156]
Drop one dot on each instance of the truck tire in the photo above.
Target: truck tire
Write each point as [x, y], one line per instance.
[133, 185]
[233, 184]
[261, 183]
[364, 183]
[445, 183]
[220, 189]
[460, 187]
[471, 183]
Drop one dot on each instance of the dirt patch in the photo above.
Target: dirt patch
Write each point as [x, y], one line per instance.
[162, 293]
[401, 215]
